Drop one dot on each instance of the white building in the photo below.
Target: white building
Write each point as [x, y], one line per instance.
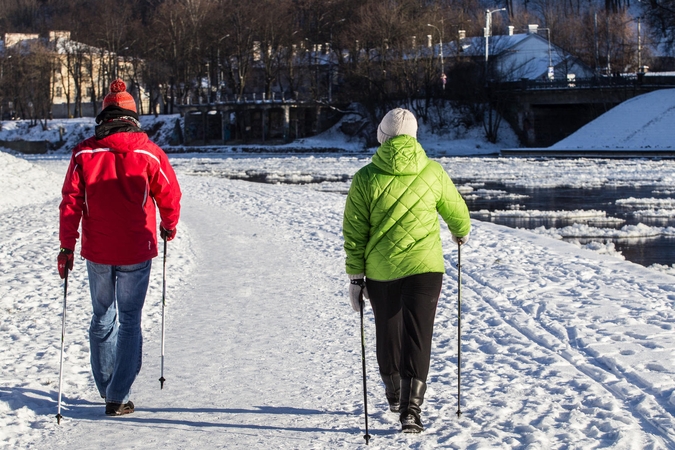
[80, 73]
[529, 56]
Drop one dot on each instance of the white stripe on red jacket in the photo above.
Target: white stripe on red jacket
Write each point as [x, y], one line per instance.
[112, 186]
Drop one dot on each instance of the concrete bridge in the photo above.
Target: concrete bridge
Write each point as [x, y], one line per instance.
[253, 122]
[543, 113]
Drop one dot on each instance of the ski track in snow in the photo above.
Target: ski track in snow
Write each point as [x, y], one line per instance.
[561, 347]
[599, 348]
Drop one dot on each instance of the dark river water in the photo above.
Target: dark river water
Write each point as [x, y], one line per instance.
[645, 251]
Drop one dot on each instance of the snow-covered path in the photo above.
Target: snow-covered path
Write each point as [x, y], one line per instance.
[240, 338]
[562, 347]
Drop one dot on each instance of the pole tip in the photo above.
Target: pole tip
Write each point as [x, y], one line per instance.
[161, 382]
[459, 413]
[367, 438]
[58, 419]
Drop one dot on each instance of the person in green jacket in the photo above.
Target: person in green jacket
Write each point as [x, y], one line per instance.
[394, 255]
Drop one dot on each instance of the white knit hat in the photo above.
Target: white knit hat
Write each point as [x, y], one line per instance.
[395, 122]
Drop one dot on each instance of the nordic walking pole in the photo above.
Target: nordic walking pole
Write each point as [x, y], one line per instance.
[63, 340]
[363, 364]
[161, 376]
[459, 328]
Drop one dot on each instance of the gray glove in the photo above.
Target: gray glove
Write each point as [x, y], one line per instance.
[357, 287]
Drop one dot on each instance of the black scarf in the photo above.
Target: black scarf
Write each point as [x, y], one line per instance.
[114, 119]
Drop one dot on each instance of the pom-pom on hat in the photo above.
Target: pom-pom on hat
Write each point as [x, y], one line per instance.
[396, 122]
[119, 96]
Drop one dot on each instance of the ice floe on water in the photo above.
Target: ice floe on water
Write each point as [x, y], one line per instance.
[488, 194]
[584, 231]
[642, 202]
[575, 214]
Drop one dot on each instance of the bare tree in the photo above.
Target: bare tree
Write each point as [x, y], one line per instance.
[660, 16]
[181, 43]
[195, 50]
[25, 81]
[240, 19]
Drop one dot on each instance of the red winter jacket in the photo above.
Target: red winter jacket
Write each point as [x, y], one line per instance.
[112, 185]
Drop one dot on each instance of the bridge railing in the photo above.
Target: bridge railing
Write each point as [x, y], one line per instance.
[614, 82]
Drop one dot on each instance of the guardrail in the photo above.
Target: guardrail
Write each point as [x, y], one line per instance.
[632, 81]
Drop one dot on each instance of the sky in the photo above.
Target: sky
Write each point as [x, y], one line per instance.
[562, 346]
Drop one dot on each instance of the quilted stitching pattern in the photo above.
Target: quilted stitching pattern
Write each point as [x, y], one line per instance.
[391, 226]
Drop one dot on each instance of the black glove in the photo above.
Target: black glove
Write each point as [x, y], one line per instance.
[167, 234]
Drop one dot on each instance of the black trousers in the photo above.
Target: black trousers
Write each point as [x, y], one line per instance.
[404, 311]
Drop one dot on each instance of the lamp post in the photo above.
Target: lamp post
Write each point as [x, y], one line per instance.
[640, 70]
[639, 47]
[551, 75]
[440, 45]
[488, 32]
[219, 67]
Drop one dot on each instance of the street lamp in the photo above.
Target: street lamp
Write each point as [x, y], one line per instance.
[220, 66]
[440, 44]
[639, 47]
[488, 32]
[551, 75]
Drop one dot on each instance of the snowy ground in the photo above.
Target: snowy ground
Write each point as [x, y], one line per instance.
[561, 347]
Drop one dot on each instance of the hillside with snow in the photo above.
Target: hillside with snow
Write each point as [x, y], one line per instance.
[644, 122]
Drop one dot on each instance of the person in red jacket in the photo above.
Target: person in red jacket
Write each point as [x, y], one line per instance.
[115, 182]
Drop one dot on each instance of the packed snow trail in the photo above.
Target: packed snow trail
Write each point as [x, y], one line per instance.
[241, 336]
[239, 339]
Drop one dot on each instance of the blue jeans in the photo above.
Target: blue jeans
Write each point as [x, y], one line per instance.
[117, 296]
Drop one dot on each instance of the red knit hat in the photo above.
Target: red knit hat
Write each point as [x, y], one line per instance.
[119, 96]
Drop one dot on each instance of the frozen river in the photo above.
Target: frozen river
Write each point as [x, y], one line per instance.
[625, 207]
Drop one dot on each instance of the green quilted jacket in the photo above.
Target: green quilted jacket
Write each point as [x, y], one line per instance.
[390, 226]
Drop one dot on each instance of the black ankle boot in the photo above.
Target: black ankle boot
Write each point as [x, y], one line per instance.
[412, 397]
[392, 388]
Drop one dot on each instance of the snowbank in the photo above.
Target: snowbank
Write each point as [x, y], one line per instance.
[640, 123]
[22, 183]
[63, 134]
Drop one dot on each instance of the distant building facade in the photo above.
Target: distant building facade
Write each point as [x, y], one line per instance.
[80, 73]
[525, 56]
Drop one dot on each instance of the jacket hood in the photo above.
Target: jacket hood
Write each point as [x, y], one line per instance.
[122, 142]
[401, 155]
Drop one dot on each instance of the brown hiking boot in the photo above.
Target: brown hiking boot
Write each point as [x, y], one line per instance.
[118, 409]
